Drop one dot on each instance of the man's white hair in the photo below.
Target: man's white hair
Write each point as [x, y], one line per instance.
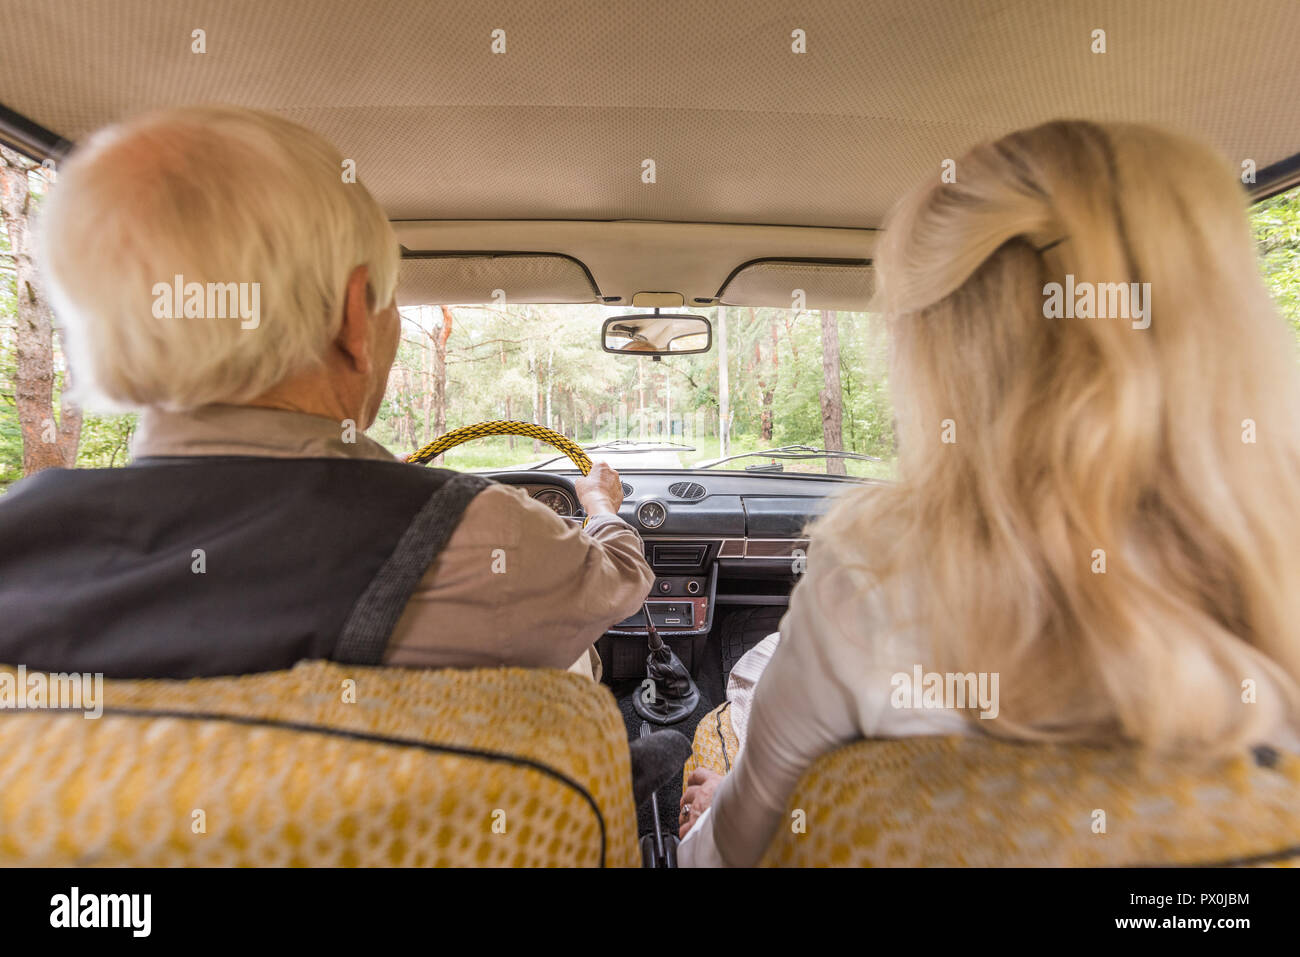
[213, 194]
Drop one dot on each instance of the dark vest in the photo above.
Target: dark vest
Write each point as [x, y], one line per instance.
[203, 566]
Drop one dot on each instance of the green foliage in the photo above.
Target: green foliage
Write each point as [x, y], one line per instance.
[105, 440]
[1276, 225]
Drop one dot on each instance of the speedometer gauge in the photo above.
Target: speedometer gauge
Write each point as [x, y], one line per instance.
[555, 500]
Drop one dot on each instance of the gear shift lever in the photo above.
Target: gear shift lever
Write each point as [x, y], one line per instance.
[672, 695]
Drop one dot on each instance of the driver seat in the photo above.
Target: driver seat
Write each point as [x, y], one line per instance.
[323, 765]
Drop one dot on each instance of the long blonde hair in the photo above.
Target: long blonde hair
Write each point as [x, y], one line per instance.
[1106, 515]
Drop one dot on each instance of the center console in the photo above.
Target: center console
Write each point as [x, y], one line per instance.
[681, 603]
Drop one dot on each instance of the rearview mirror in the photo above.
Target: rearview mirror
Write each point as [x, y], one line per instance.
[657, 334]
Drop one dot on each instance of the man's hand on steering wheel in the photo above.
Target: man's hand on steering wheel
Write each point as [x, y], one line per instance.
[600, 491]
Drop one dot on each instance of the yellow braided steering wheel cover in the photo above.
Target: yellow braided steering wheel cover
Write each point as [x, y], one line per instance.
[481, 430]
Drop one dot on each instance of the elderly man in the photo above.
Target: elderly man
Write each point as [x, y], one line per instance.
[217, 269]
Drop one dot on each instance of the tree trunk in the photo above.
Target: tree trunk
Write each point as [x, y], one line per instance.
[510, 439]
[550, 359]
[668, 405]
[724, 386]
[69, 411]
[769, 411]
[45, 444]
[426, 393]
[789, 320]
[537, 398]
[832, 400]
[766, 376]
[438, 373]
[406, 399]
[640, 399]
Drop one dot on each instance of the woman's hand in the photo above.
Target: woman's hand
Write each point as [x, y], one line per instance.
[697, 797]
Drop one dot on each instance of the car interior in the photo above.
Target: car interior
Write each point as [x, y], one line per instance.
[652, 163]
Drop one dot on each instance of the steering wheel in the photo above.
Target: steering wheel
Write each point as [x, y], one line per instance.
[480, 430]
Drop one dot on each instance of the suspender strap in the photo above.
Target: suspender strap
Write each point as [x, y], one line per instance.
[375, 615]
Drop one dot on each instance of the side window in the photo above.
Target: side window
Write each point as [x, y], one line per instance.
[1276, 224]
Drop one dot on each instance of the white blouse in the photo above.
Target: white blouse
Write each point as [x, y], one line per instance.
[829, 682]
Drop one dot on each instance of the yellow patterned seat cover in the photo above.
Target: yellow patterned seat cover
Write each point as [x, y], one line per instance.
[324, 765]
[715, 745]
[980, 802]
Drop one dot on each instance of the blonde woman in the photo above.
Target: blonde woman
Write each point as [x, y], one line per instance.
[1099, 480]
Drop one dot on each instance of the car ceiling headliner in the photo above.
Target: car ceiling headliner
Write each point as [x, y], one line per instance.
[741, 129]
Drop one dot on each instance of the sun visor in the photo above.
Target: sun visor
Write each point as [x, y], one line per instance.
[846, 284]
[435, 278]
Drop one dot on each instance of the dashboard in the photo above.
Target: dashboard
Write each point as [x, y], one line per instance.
[713, 539]
[710, 536]
[736, 509]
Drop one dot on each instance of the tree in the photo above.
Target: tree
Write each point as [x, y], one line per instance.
[440, 372]
[724, 386]
[45, 443]
[766, 369]
[831, 399]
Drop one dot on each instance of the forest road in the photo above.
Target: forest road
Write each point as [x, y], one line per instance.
[659, 459]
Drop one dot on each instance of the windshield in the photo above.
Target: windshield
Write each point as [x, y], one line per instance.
[465, 364]
[779, 388]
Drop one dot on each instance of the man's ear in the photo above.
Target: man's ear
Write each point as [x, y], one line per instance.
[355, 333]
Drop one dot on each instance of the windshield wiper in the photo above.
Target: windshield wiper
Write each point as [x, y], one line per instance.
[619, 443]
[616, 446]
[793, 452]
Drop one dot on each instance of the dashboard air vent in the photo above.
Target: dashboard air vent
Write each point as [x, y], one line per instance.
[692, 556]
[627, 490]
[687, 490]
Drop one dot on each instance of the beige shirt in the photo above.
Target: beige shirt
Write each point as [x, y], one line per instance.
[515, 585]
